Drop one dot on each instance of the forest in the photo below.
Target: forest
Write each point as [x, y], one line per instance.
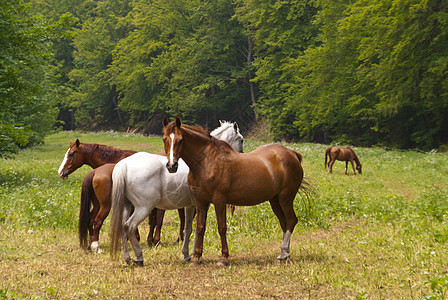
[361, 72]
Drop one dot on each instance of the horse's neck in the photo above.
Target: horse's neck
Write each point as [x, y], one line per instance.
[93, 159]
[194, 149]
[356, 159]
[220, 132]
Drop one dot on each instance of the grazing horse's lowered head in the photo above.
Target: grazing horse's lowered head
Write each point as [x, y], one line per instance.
[342, 154]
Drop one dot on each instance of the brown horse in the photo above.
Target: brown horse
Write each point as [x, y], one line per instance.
[342, 154]
[97, 188]
[220, 175]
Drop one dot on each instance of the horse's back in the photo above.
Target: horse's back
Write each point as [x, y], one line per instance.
[259, 175]
[148, 180]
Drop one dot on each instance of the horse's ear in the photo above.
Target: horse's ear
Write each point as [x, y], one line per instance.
[178, 123]
[165, 121]
[220, 123]
[77, 143]
[235, 126]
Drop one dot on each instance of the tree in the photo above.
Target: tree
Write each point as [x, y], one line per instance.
[26, 105]
[184, 58]
[281, 31]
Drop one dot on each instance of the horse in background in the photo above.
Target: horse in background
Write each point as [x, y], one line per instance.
[220, 175]
[342, 154]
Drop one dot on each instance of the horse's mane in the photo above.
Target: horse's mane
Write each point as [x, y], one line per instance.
[219, 144]
[224, 126]
[355, 157]
[106, 153]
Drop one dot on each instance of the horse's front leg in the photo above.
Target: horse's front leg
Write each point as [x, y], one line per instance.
[159, 223]
[201, 219]
[183, 220]
[188, 228]
[346, 166]
[152, 225]
[220, 209]
[353, 167]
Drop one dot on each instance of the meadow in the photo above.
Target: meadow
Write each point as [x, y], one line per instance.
[379, 235]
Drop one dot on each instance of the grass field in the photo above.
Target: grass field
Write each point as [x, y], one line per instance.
[379, 235]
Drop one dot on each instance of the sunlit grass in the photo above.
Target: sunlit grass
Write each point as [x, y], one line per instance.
[382, 234]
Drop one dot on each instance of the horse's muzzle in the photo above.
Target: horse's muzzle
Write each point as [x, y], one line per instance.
[63, 174]
[173, 168]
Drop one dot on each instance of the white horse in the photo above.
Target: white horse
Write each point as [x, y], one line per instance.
[143, 181]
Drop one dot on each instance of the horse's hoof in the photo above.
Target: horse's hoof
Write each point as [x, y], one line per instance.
[283, 256]
[186, 259]
[138, 263]
[222, 263]
[194, 263]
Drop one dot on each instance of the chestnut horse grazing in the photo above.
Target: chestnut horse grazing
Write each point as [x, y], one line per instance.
[342, 154]
[220, 175]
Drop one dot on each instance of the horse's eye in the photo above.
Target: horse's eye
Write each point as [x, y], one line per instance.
[164, 140]
[181, 140]
[71, 154]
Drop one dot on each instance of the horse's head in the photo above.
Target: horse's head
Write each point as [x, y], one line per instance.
[173, 142]
[230, 133]
[359, 168]
[73, 159]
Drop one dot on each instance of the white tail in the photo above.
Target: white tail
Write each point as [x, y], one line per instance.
[118, 202]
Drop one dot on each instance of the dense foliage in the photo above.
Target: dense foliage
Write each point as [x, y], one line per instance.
[25, 109]
[366, 72]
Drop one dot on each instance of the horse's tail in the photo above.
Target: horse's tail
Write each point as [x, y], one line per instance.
[118, 203]
[87, 193]
[299, 156]
[327, 154]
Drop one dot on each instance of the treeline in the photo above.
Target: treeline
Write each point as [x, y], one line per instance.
[365, 72]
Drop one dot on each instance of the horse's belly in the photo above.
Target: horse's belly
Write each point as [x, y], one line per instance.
[250, 197]
[176, 194]
[175, 202]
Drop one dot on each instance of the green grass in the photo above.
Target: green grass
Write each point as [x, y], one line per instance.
[379, 235]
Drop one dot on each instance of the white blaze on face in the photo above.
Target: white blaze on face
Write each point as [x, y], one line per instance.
[172, 149]
[63, 163]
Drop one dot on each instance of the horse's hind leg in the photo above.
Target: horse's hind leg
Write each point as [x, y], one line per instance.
[286, 200]
[93, 214]
[182, 216]
[131, 225]
[103, 191]
[277, 209]
[102, 214]
[124, 233]
[221, 211]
